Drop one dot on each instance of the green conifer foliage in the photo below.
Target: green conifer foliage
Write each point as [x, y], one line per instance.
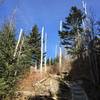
[71, 35]
[35, 45]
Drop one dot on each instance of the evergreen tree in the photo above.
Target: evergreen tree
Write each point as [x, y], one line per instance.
[35, 45]
[7, 46]
[11, 67]
[71, 35]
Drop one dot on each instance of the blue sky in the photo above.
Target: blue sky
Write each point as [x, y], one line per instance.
[46, 13]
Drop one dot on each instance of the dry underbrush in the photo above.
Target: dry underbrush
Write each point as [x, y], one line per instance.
[26, 85]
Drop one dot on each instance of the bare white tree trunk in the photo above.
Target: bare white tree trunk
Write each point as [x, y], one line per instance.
[61, 25]
[84, 6]
[45, 59]
[60, 50]
[60, 58]
[41, 65]
[19, 39]
[21, 45]
[56, 51]
[35, 65]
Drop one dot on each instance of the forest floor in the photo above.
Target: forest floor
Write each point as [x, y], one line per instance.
[26, 86]
[38, 84]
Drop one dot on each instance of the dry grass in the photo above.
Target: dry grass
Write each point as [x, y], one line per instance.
[34, 76]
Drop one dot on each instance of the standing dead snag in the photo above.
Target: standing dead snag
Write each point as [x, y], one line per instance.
[60, 58]
[19, 39]
[60, 50]
[45, 59]
[41, 65]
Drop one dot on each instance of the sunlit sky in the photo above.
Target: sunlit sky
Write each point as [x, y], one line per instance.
[45, 13]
